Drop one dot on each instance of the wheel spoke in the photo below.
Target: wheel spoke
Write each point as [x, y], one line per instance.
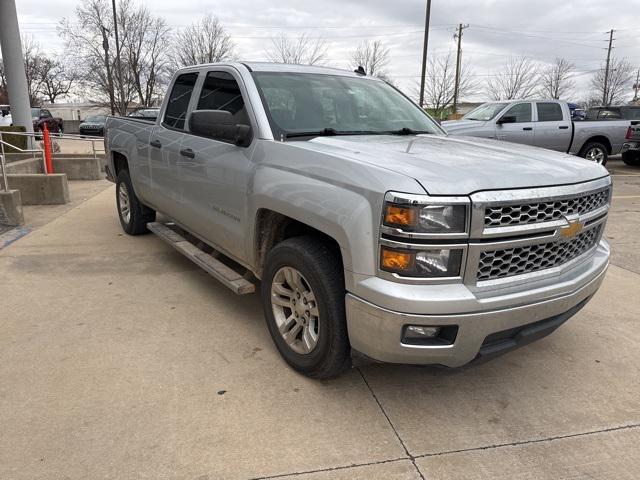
[287, 325]
[291, 336]
[281, 301]
[281, 290]
[309, 337]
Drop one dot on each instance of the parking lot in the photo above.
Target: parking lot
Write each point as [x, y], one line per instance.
[120, 359]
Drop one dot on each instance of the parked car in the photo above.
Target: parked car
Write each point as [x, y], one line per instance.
[93, 126]
[146, 113]
[370, 228]
[631, 148]
[623, 112]
[577, 112]
[5, 116]
[40, 116]
[542, 123]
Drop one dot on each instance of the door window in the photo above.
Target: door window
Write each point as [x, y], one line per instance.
[179, 100]
[549, 112]
[220, 91]
[521, 111]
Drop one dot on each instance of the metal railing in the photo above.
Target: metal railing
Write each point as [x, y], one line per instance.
[35, 139]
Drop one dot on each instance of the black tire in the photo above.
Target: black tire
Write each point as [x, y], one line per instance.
[631, 158]
[588, 147]
[319, 263]
[139, 215]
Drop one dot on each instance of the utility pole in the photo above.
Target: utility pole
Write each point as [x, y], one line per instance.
[636, 87]
[458, 64]
[107, 66]
[424, 52]
[121, 107]
[605, 93]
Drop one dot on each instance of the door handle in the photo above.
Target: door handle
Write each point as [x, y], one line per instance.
[527, 128]
[187, 152]
[563, 127]
[155, 143]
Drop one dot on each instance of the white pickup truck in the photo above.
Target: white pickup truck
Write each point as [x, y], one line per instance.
[370, 230]
[545, 124]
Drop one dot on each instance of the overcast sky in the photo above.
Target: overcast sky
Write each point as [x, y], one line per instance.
[541, 29]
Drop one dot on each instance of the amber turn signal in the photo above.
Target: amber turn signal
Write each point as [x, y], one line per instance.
[396, 261]
[402, 216]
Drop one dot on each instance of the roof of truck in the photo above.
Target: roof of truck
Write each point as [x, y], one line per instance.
[279, 67]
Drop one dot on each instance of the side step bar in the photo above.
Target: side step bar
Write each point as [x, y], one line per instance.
[214, 267]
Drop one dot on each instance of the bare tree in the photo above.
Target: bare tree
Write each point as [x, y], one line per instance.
[373, 57]
[146, 55]
[33, 57]
[620, 79]
[440, 83]
[205, 41]
[302, 50]
[56, 78]
[518, 78]
[556, 80]
[4, 96]
[91, 46]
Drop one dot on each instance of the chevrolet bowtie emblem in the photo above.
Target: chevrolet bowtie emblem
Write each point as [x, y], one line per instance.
[571, 230]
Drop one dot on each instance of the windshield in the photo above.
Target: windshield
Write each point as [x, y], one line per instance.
[298, 103]
[485, 112]
[96, 119]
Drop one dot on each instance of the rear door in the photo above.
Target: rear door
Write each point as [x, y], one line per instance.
[553, 130]
[214, 172]
[164, 146]
[522, 130]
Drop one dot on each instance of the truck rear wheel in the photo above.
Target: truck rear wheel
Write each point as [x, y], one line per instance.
[303, 299]
[133, 215]
[631, 158]
[596, 152]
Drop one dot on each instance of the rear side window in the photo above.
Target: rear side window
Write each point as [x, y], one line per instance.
[549, 112]
[522, 112]
[179, 100]
[220, 91]
[610, 114]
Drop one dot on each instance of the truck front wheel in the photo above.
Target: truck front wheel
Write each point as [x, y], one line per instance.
[303, 299]
[133, 215]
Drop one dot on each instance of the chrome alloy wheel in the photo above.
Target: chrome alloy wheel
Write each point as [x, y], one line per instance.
[123, 201]
[295, 310]
[595, 154]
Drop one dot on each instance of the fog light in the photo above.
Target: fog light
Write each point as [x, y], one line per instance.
[417, 332]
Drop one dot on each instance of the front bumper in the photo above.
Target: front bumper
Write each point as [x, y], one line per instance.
[377, 331]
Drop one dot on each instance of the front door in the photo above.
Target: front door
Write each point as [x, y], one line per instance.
[519, 131]
[164, 147]
[214, 173]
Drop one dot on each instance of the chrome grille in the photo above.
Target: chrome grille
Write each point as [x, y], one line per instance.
[523, 214]
[502, 263]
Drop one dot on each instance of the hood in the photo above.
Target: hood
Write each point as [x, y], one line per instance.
[446, 165]
[459, 126]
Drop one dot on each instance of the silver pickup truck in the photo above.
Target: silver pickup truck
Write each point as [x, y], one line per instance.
[631, 146]
[370, 231]
[545, 124]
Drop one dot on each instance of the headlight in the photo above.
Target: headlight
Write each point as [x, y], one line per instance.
[426, 218]
[430, 262]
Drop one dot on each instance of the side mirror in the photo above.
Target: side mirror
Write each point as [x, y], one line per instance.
[507, 119]
[220, 124]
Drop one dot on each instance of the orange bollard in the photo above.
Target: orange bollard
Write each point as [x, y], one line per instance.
[47, 148]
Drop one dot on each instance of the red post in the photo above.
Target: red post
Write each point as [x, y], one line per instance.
[47, 148]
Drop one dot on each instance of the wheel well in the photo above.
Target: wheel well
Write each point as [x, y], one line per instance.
[273, 228]
[119, 163]
[600, 139]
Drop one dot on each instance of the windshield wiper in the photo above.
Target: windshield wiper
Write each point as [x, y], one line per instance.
[406, 131]
[329, 132]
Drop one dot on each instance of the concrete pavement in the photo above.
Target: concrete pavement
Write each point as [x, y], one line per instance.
[119, 359]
